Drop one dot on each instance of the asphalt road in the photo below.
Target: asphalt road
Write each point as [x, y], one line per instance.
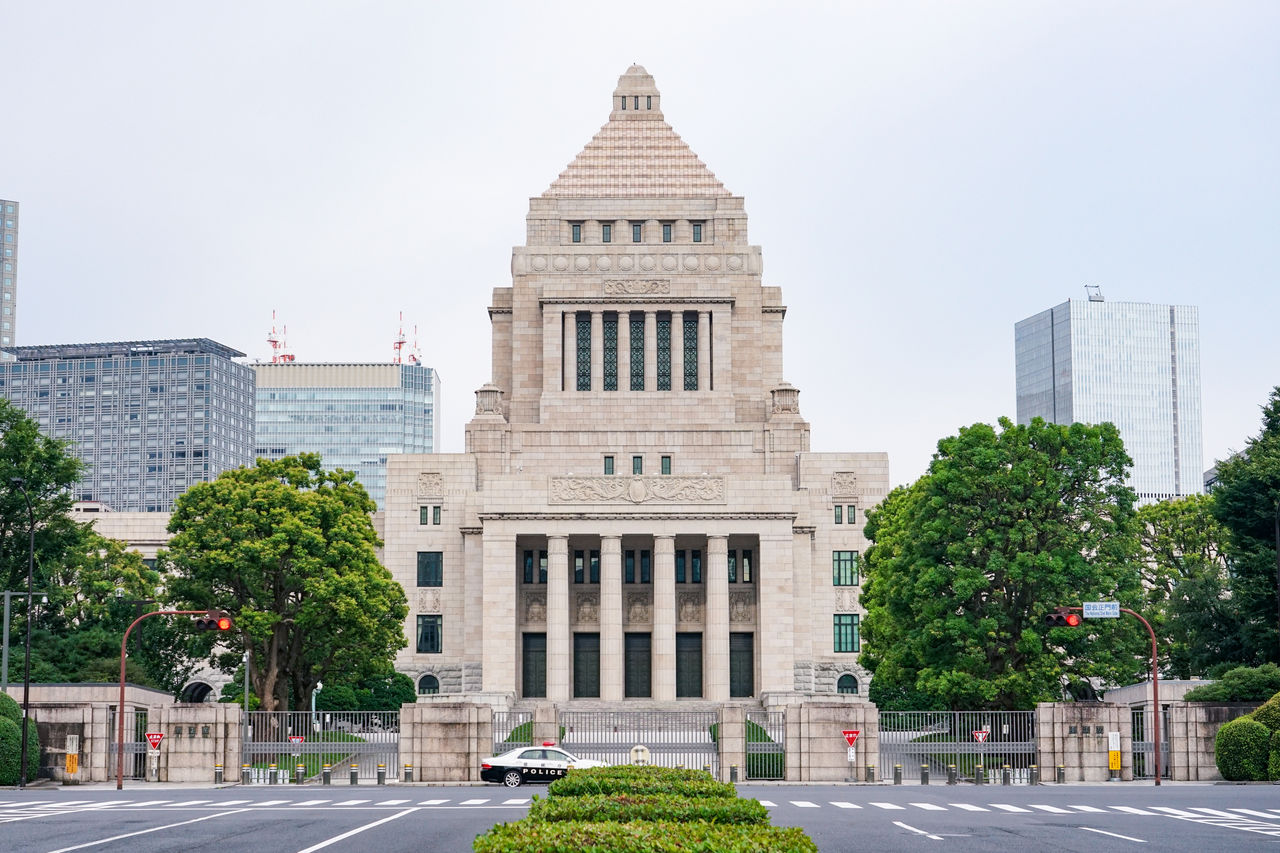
[417, 818]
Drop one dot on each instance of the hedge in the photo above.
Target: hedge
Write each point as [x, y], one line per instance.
[1240, 750]
[642, 837]
[579, 783]
[11, 750]
[1269, 713]
[624, 807]
[1273, 763]
[10, 709]
[1241, 684]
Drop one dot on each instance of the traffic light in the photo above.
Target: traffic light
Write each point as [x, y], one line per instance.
[214, 620]
[1062, 618]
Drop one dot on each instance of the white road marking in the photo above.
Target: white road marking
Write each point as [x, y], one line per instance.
[146, 803]
[67, 803]
[516, 802]
[1132, 810]
[186, 803]
[917, 831]
[930, 807]
[1008, 808]
[1178, 812]
[312, 802]
[350, 802]
[358, 829]
[843, 805]
[391, 803]
[473, 802]
[804, 804]
[235, 802]
[1114, 834]
[888, 806]
[275, 803]
[1050, 809]
[1212, 812]
[1091, 809]
[145, 831]
[968, 807]
[1255, 813]
[768, 805]
[432, 802]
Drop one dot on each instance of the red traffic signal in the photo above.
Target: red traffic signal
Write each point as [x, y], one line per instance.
[1062, 618]
[214, 620]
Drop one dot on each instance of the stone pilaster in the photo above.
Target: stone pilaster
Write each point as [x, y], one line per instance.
[611, 641]
[558, 654]
[597, 351]
[664, 618]
[704, 351]
[721, 340]
[650, 350]
[501, 645]
[775, 580]
[716, 639]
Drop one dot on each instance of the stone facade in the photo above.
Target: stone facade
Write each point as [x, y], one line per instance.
[638, 515]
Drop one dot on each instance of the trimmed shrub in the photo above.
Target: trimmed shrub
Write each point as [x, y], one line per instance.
[624, 807]
[1269, 713]
[642, 837]
[1273, 763]
[10, 709]
[10, 750]
[1240, 684]
[650, 781]
[1240, 750]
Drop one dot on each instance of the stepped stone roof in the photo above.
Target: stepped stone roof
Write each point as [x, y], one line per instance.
[637, 154]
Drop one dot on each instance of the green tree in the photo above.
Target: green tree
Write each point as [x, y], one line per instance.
[289, 550]
[1006, 524]
[1247, 502]
[1184, 571]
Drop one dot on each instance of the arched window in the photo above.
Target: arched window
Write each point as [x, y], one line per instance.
[847, 684]
[428, 685]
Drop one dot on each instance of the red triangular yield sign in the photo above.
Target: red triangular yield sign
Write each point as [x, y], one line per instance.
[980, 736]
[851, 735]
[154, 739]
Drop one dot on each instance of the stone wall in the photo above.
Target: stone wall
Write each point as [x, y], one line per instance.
[1075, 736]
[446, 741]
[816, 748]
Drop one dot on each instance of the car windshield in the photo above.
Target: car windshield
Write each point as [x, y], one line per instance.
[557, 755]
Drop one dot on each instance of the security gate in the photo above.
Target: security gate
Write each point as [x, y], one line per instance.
[967, 739]
[512, 730]
[766, 745]
[135, 743]
[341, 739]
[673, 738]
[1144, 764]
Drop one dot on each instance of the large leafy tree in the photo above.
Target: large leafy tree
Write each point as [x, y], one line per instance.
[289, 550]
[1247, 502]
[1184, 573]
[1007, 523]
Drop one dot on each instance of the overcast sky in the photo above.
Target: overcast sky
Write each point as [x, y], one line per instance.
[920, 176]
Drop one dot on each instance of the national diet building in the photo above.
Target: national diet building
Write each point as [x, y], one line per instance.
[637, 517]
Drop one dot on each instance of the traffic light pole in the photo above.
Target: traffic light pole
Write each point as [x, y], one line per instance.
[120, 709]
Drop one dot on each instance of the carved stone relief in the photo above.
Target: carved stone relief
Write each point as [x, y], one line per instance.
[740, 609]
[428, 601]
[844, 483]
[588, 608]
[535, 607]
[689, 607]
[636, 490]
[846, 600]
[430, 484]
[637, 607]
[637, 287]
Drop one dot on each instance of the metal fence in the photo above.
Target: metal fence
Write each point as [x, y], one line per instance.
[1144, 766]
[766, 745]
[340, 739]
[968, 739]
[673, 738]
[511, 730]
[135, 743]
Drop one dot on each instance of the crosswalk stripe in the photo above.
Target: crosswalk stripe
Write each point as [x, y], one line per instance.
[473, 802]
[391, 802]
[312, 802]
[804, 804]
[147, 803]
[887, 806]
[234, 802]
[1050, 809]
[350, 802]
[968, 807]
[516, 802]
[1255, 813]
[432, 802]
[1132, 810]
[768, 804]
[281, 802]
[67, 803]
[1089, 809]
[843, 805]
[929, 807]
[187, 803]
[1212, 812]
[1175, 812]
[1008, 808]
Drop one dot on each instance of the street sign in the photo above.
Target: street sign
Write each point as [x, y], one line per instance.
[297, 738]
[852, 756]
[980, 736]
[1102, 610]
[154, 739]
[851, 736]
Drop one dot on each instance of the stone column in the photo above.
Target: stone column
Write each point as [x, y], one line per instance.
[597, 351]
[552, 344]
[624, 350]
[501, 643]
[677, 350]
[569, 352]
[651, 350]
[722, 363]
[775, 581]
[664, 618]
[558, 653]
[611, 645]
[704, 351]
[716, 639]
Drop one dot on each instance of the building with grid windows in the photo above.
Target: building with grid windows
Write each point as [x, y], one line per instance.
[1133, 364]
[353, 415]
[637, 517]
[8, 278]
[149, 418]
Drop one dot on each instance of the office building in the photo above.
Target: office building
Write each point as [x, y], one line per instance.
[353, 415]
[149, 418]
[8, 278]
[1133, 364]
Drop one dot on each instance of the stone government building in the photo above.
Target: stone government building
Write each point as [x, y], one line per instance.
[637, 517]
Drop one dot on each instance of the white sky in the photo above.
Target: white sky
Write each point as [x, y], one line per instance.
[920, 175]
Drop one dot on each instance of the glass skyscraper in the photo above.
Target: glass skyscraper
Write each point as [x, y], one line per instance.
[1133, 364]
[353, 415]
[149, 418]
[9, 290]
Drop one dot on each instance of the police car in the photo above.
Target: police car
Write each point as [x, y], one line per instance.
[545, 763]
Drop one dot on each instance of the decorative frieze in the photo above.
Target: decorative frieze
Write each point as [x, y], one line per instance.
[844, 483]
[430, 484]
[535, 607]
[588, 608]
[428, 601]
[689, 607]
[637, 287]
[636, 490]
[741, 608]
[846, 601]
[639, 607]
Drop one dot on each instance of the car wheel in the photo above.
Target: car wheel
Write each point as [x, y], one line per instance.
[511, 779]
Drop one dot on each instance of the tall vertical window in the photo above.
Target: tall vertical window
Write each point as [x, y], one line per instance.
[534, 665]
[636, 103]
[733, 567]
[579, 567]
[435, 515]
[682, 571]
[746, 565]
[637, 351]
[430, 568]
[424, 515]
[593, 566]
[583, 327]
[666, 464]
[606, 233]
[528, 567]
[637, 232]
[697, 232]
[535, 561]
[636, 665]
[429, 631]
[576, 228]
[666, 232]
[637, 464]
[690, 351]
[629, 567]
[695, 566]
[849, 512]
[608, 464]
[542, 567]
[664, 352]
[846, 632]
[648, 102]
[586, 665]
[844, 568]
[839, 514]
[742, 666]
[646, 567]
[610, 328]
[688, 665]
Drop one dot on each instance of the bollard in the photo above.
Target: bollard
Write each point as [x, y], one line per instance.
[382, 774]
[326, 775]
[1062, 774]
[1034, 777]
[273, 775]
[1006, 775]
[299, 773]
[952, 775]
[408, 773]
[733, 773]
[871, 773]
[244, 774]
[924, 774]
[217, 774]
[706, 768]
[979, 775]
[355, 774]
[897, 774]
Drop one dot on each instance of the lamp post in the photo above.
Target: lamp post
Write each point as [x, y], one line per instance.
[21, 485]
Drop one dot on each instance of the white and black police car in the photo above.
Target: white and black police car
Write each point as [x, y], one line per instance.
[545, 763]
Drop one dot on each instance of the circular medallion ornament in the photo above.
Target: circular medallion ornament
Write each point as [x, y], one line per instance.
[561, 262]
[539, 263]
[668, 262]
[712, 262]
[582, 263]
[635, 491]
[691, 262]
[626, 262]
[735, 262]
[604, 262]
[647, 262]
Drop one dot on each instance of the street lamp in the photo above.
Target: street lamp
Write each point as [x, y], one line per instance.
[21, 485]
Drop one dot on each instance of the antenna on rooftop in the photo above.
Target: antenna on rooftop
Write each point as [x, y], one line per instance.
[279, 348]
[1094, 292]
[398, 343]
[415, 354]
